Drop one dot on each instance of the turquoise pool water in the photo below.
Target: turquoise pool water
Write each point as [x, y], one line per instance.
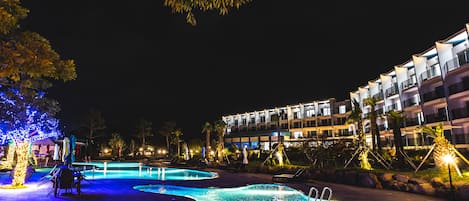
[128, 170]
[255, 192]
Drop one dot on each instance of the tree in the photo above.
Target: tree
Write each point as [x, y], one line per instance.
[219, 127]
[375, 135]
[207, 129]
[143, 130]
[176, 140]
[93, 121]
[355, 118]
[28, 64]
[117, 144]
[166, 131]
[187, 7]
[395, 120]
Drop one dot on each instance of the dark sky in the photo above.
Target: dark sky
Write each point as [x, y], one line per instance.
[136, 59]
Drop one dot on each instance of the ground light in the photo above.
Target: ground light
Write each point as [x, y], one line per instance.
[449, 160]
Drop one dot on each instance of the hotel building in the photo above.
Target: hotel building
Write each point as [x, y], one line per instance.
[313, 122]
[431, 87]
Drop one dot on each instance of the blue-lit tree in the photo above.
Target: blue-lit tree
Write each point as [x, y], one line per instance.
[27, 64]
[23, 122]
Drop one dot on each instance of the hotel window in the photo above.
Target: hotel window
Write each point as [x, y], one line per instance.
[236, 122]
[244, 122]
[326, 111]
[295, 115]
[342, 109]
[310, 113]
[253, 120]
[262, 119]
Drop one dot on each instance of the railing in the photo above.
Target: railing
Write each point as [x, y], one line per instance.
[392, 90]
[459, 113]
[391, 107]
[408, 84]
[433, 95]
[379, 96]
[343, 133]
[461, 59]
[410, 102]
[459, 87]
[379, 111]
[432, 118]
[412, 121]
[430, 73]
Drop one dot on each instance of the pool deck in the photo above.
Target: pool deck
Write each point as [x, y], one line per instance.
[121, 190]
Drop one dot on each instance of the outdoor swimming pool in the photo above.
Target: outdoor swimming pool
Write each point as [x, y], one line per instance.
[128, 170]
[255, 192]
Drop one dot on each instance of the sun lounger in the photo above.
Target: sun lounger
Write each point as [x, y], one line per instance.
[288, 177]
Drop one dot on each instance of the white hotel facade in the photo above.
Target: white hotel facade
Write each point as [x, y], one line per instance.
[431, 87]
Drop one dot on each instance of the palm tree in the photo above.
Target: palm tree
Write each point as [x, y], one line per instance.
[355, 117]
[117, 144]
[220, 127]
[176, 140]
[207, 129]
[143, 130]
[166, 131]
[94, 122]
[395, 120]
[442, 145]
[376, 141]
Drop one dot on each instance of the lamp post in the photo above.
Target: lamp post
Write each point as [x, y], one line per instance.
[449, 160]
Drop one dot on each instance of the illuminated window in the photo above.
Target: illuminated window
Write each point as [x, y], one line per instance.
[326, 111]
[342, 109]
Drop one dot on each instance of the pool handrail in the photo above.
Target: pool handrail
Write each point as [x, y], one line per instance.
[323, 192]
[316, 193]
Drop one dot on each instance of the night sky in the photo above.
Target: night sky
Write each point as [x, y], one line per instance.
[135, 59]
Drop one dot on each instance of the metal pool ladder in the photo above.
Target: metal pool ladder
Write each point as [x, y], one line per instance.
[316, 193]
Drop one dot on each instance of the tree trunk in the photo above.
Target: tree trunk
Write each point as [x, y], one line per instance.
[22, 155]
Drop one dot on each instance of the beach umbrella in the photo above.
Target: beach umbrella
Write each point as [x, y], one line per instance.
[73, 142]
[56, 152]
[245, 155]
[186, 157]
[203, 152]
[65, 148]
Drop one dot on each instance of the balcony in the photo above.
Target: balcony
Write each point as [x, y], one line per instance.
[344, 133]
[410, 102]
[408, 84]
[459, 87]
[430, 73]
[460, 113]
[412, 121]
[432, 118]
[379, 111]
[392, 90]
[463, 58]
[439, 93]
[379, 96]
[391, 107]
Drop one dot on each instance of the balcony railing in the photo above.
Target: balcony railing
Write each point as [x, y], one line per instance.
[430, 73]
[459, 87]
[412, 121]
[461, 59]
[379, 96]
[410, 102]
[392, 90]
[459, 113]
[391, 107]
[408, 84]
[432, 118]
[433, 95]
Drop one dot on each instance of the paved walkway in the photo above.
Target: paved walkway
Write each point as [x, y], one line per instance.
[121, 190]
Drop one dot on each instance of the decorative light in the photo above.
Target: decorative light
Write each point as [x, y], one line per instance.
[448, 158]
